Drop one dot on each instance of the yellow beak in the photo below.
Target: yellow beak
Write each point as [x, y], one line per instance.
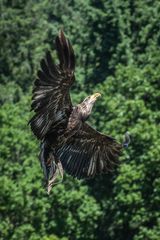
[95, 96]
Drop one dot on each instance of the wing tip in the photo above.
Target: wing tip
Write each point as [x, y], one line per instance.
[65, 51]
[61, 34]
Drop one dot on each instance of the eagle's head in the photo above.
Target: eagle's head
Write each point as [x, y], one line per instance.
[91, 99]
[87, 105]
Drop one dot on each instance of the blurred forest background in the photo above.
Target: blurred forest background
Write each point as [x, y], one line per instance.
[117, 46]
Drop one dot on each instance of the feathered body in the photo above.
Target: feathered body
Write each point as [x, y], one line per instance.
[67, 141]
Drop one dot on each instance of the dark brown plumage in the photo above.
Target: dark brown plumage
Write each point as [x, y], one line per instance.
[67, 141]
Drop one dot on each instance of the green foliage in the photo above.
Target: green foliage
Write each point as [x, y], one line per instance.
[53, 237]
[117, 51]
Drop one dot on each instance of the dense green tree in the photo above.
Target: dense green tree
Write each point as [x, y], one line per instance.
[117, 51]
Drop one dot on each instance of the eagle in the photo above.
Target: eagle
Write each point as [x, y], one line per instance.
[68, 142]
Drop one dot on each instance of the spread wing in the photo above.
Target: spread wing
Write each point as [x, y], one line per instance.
[88, 153]
[51, 100]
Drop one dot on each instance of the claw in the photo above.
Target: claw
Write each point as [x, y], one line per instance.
[51, 182]
[127, 140]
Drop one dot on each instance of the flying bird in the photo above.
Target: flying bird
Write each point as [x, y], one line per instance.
[68, 142]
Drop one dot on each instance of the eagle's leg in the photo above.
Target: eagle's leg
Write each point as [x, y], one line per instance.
[51, 166]
[59, 171]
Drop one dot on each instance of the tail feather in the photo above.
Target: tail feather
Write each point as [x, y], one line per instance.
[47, 160]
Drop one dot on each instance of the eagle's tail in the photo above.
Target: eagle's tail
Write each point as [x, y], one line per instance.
[51, 166]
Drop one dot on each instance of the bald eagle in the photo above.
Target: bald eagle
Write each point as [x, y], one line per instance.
[67, 141]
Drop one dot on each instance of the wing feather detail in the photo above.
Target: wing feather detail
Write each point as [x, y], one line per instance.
[51, 100]
[88, 153]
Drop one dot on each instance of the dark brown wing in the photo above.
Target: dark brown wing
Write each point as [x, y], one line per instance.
[51, 100]
[89, 153]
